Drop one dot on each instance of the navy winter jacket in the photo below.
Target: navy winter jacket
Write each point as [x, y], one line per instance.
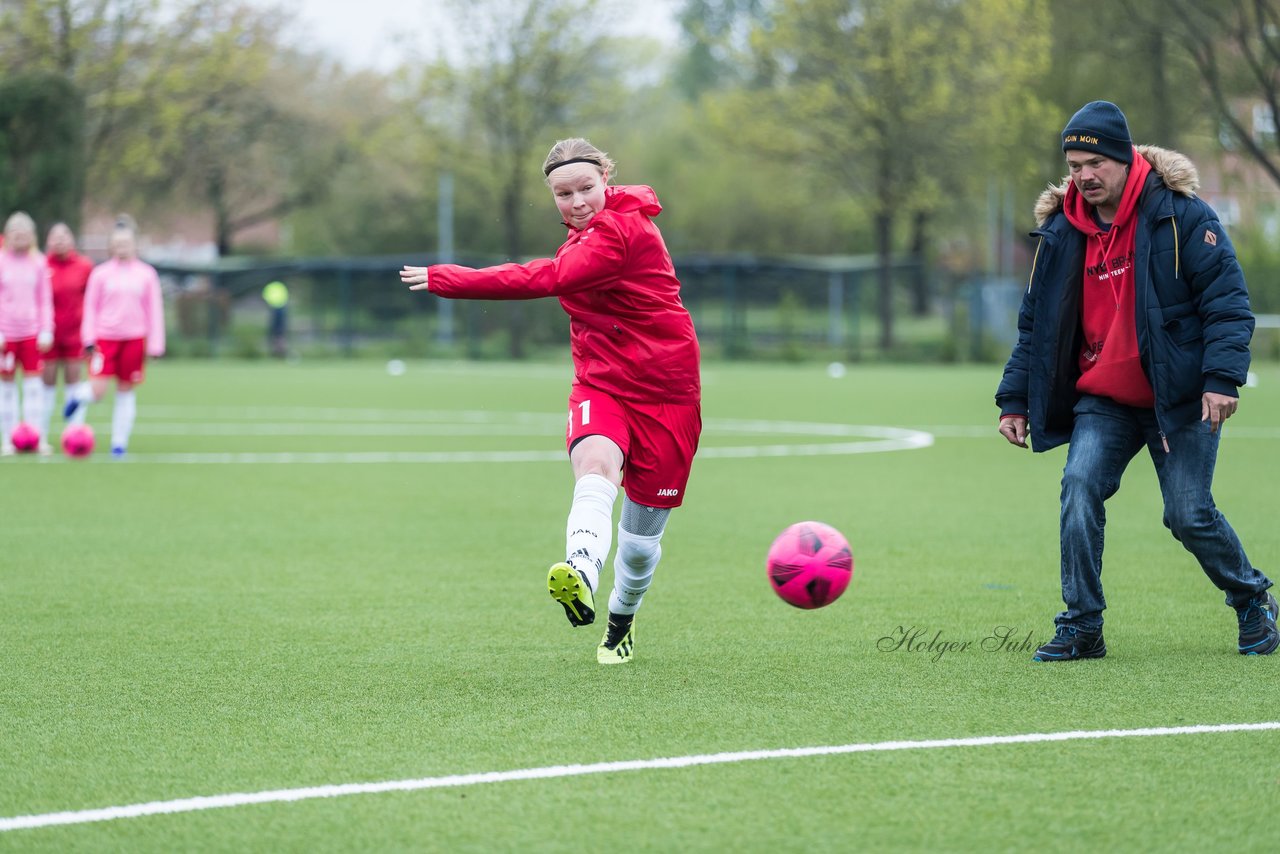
[1191, 304]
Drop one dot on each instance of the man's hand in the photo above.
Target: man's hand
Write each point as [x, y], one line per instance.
[1216, 408]
[1014, 428]
[415, 278]
[44, 341]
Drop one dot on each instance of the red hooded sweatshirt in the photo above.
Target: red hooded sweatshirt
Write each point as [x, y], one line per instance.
[629, 333]
[1110, 365]
[68, 275]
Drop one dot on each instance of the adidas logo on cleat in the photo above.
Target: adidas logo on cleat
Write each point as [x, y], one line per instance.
[618, 643]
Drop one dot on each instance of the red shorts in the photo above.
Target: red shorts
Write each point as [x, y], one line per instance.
[658, 441]
[124, 360]
[20, 353]
[65, 349]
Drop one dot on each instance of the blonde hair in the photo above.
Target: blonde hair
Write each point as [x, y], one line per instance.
[576, 150]
[22, 220]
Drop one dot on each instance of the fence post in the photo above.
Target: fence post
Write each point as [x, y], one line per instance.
[344, 299]
[855, 312]
[213, 305]
[835, 309]
[735, 314]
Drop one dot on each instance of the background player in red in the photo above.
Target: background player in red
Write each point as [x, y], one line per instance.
[635, 405]
[26, 327]
[68, 277]
[123, 324]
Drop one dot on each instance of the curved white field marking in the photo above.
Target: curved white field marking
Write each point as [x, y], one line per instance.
[552, 425]
[338, 428]
[351, 457]
[335, 421]
[210, 802]
[882, 439]
[348, 414]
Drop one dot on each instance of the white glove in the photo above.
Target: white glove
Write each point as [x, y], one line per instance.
[44, 341]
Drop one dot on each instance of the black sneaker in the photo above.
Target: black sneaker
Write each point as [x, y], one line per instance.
[1071, 643]
[1258, 635]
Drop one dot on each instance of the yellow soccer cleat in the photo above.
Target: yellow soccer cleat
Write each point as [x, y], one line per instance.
[619, 640]
[570, 589]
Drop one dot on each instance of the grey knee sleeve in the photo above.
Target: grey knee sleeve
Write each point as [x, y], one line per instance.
[643, 520]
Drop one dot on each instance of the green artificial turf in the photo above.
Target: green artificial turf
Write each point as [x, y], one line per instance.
[184, 624]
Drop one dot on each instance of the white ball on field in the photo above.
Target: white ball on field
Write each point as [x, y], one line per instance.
[395, 368]
[835, 370]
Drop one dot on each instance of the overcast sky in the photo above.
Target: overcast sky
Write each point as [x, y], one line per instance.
[367, 33]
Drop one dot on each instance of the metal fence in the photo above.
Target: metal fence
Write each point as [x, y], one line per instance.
[744, 307]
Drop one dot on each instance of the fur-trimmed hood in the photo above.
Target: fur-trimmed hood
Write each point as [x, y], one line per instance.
[1176, 169]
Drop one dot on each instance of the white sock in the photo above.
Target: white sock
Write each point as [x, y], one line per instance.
[83, 392]
[33, 402]
[589, 533]
[8, 407]
[50, 402]
[633, 568]
[122, 418]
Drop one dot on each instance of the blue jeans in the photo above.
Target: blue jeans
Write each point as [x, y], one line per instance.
[1106, 436]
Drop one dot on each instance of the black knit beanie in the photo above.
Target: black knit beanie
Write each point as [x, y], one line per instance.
[1099, 126]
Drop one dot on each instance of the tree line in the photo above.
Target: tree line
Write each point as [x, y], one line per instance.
[770, 127]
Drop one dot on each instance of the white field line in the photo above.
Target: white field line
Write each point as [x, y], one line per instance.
[338, 413]
[895, 440]
[337, 428]
[313, 421]
[330, 421]
[209, 802]
[338, 421]
[903, 443]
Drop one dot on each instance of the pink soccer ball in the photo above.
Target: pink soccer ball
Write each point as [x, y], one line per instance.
[77, 440]
[25, 438]
[810, 565]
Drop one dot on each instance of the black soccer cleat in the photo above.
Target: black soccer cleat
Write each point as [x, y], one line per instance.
[619, 641]
[1258, 634]
[1070, 644]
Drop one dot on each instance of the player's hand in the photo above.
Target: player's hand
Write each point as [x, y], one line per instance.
[1216, 408]
[1014, 428]
[415, 278]
[89, 348]
[1, 340]
[44, 341]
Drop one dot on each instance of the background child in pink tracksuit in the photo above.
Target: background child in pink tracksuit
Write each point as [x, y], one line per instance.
[123, 324]
[26, 327]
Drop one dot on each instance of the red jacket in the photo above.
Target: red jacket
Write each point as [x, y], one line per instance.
[68, 275]
[630, 335]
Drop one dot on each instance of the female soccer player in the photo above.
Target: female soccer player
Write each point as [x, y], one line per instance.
[123, 324]
[68, 277]
[635, 406]
[26, 328]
